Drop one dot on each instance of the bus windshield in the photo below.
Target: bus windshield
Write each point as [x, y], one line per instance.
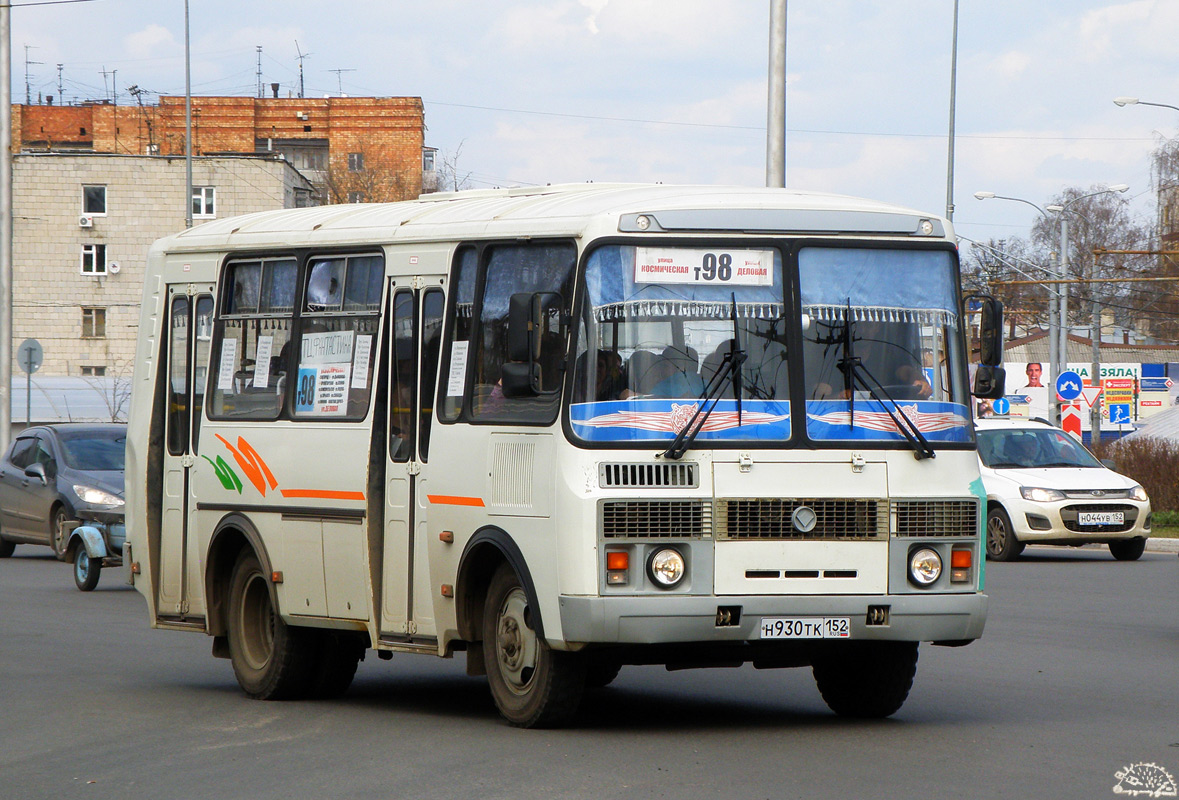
[880, 335]
[657, 325]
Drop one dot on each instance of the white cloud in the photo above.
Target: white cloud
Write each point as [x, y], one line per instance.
[596, 7]
[152, 41]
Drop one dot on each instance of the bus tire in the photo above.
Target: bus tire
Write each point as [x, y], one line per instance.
[336, 658]
[868, 680]
[600, 674]
[532, 685]
[271, 659]
[1001, 542]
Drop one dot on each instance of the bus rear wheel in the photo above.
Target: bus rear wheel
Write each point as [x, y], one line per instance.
[271, 659]
[869, 680]
[532, 685]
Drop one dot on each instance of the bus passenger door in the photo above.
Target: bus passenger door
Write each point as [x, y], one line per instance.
[190, 323]
[416, 333]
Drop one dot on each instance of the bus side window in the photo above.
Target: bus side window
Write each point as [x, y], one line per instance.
[432, 305]
[178, 419]
[251, 340]
[514, 269]
[458, 338]
[403, 366]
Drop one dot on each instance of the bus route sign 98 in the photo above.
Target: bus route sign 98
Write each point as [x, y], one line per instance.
[704, 266]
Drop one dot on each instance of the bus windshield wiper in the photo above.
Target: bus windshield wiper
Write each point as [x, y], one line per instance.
[729, 372]
[854, 370]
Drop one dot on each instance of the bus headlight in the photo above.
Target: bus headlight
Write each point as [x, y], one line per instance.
[667, 567]
[925, 566]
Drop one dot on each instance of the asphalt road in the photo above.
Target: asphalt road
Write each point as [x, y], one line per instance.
[1076, 678]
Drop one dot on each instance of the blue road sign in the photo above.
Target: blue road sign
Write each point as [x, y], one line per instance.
[1001, 407]
[1119, 413]
[1155, 384]
[1068, 385]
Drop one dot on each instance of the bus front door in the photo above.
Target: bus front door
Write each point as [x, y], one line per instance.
[416, 331]
[189, 329]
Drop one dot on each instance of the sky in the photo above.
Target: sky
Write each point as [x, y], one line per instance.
[530, 92]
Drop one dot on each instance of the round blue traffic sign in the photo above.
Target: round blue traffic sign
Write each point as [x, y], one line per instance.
[1068, 385]
[1001, 406]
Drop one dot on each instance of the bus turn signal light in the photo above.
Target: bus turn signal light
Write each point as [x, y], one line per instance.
[960, 563]
[617, 567]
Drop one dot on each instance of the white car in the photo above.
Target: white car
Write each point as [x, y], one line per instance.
[1045, 487]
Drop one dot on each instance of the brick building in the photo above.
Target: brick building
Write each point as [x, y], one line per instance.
[83, 223]
[352, 148]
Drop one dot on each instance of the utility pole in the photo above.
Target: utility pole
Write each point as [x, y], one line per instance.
[5, 224]
[776, 113]
[187, 123]
[953, 92]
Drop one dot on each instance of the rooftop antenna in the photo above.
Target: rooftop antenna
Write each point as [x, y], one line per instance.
[339, 79]
[260, 91]
[302, 56]
[60, 87]
[28, 87]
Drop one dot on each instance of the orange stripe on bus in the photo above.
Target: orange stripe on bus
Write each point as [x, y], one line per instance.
[449, 500]
[322, 494]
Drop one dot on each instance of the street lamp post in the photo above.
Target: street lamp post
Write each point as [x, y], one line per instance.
[1134, 101]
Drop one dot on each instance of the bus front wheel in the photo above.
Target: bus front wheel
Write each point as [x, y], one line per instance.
[866, 679]
[271, 660]
[532, 685]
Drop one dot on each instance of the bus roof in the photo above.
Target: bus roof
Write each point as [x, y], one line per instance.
[571, 209]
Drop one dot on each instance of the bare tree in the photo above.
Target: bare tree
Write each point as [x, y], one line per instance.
[115, 390]
[450, 177]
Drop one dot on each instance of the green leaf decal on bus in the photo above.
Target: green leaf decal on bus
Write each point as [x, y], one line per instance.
[225, 474]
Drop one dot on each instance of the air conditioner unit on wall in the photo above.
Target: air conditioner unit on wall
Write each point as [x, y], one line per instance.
[85, 221]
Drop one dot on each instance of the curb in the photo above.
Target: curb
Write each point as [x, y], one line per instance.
[1156, 545]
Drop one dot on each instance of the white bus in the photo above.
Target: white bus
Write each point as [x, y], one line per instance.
[562, 430]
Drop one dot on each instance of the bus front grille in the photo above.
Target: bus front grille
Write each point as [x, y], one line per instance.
[660, 519]
[773, 518]
[936, 517]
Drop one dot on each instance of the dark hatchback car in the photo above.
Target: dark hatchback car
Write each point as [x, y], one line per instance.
[53, 472]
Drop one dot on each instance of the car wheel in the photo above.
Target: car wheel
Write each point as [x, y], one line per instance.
[271, 660]
[56, 537]
[1001, 542]
[532, 685]
[1128, 549]
[869, 680]
[86, 570]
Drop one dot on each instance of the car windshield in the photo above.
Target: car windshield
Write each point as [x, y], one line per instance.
[1023, 448]
[95, 451]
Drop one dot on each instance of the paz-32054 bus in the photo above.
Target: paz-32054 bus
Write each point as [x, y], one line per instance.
[562, 430]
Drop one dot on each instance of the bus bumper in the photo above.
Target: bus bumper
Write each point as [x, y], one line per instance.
[954, 618]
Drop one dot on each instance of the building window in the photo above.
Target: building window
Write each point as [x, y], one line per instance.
[93, 323]
[428, 155]
[94, 200]
[355, 162]
[357, 197]
[93, 372]
[204, 201]
[94, 259]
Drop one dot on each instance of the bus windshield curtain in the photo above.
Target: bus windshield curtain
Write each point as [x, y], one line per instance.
[610, 273]
[878, 285]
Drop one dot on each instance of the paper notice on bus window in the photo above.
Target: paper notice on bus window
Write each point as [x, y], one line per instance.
[228, 360]
[332, 347]
[457, 380]
[262, 361]
[704, 266]
[331, 390]
[364, 346]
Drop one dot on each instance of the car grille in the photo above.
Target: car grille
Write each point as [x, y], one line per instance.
[640, 519]
[771, 518]
[1104, 494]
[936, 517]
[1068, 515]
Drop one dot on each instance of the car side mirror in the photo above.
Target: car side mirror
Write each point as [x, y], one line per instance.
[39, 472]
[1109, 464]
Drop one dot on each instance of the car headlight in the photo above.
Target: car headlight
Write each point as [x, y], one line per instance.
[667, 567]
[1038, 495]
[96, 497]
[925, 566]
[1139, 494]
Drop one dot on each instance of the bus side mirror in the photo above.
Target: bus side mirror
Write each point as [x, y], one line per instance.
[532, 318]
[989, 382]
[990, 332]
